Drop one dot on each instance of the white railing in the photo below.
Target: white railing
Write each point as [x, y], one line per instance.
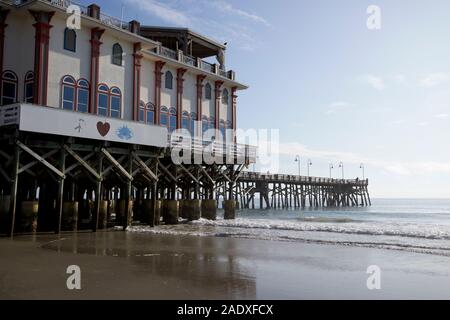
[9, 115]
[303, 179]
[169, 53]
[240, 152]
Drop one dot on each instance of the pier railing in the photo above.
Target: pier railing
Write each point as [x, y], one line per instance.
[254, 176]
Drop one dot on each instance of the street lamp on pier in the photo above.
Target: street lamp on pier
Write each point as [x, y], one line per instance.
[362, 168]
[341, 165]
[309, 165]
[331, 168]
[297, 159]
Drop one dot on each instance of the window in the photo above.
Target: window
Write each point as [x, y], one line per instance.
[117, 54]
[208, 91]
[222, 129]
[164, 116]
[9, 88]
[68, 93]
[192, 125]
[116, 102]
[212, 123]
[103, 97]
[173, 119]
[225, 96]
[82, 95]
[169, 80]
[185, 121]
[146, 112]
[70, 40]
[28, 92]
[141, 111]
[204, 124]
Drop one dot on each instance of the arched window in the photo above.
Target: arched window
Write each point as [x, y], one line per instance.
[212, 123]
[9, 88]
[192, 125]
[141, 111]
[169, 80]
[204, 124]
[173, 119]
[28, 92]
[82, 95]
[115, 102]
[185, 120]
[68, 93]
[146, 112]
[150, 112]
[117, 54]
[163, 118]
[70, 40]
[222, 129]
[225, 96]
[208, 91]
[102, 100]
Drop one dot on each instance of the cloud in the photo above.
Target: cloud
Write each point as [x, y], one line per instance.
[338, 106]
[226, 7]
[434, 79]
[162, 11]
[442, 116]
[375, 82]
[423, 124]
[402, 168]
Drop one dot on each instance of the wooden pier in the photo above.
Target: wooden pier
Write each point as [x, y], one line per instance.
[61, 182]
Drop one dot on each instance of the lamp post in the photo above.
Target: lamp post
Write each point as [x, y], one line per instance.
[331, 168]
[341, 165]
[362, 168]
[297, 159]
[309, 165]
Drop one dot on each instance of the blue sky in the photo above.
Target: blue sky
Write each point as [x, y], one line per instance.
[336, 90]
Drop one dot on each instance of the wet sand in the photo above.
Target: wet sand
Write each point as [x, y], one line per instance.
[121, 265]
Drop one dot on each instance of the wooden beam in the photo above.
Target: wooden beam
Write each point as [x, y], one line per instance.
[117, 165]
[31, 164]
[75, 165]
[83, 163]
[206, 174]
[5, 175]
[189, 173]
[41, 160]
[167, 171]
[145, 167]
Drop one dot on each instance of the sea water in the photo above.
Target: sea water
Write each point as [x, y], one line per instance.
[416, 225]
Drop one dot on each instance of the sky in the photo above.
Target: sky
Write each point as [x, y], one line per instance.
[335, 90]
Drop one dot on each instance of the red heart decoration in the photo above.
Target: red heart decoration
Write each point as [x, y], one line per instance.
[103, 128]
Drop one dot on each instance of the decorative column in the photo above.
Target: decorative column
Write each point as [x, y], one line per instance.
[218, 95]
[180, 80]
[200, 79]
[3, 25]
[136, 80]
[96, 35]
[41, 48]
[233, 111]
[158, 75]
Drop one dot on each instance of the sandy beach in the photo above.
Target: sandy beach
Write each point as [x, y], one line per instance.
[123, 265]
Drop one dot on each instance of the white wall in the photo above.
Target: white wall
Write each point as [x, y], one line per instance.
[63, 62]
[169, 97]
[19, 46]
[190, 93]
[118, 76]
[148, 81]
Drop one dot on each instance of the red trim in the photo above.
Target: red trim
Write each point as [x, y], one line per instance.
[218, 90]
[109, 94]
[41, 53]
[26, 82]
[158, 76]
[180, 80]
[96, 35]
[233, 111]
[76, 87]
[3, 25]
[200, 79]
[136, 80]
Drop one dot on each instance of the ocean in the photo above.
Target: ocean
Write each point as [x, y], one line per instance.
[415, 225]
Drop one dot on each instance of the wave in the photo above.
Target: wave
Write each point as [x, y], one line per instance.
[430, 239]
